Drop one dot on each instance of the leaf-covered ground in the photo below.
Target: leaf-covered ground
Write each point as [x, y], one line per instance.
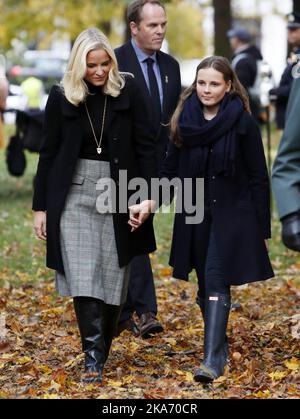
[40, 352]
[40, 355]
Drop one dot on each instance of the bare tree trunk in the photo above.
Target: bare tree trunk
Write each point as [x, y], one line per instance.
[296, 6]
[222, 22]
[127, 34]
[106, 27]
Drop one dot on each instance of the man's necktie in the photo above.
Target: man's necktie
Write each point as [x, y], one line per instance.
[154, 93]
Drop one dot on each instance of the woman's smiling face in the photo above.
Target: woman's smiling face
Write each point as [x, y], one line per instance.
[98, 65]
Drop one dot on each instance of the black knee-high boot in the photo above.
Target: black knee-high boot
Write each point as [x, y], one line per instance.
[217, 307]
[89, 312]
[111, 319]
[201, 303]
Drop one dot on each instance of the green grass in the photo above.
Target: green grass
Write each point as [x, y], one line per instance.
[22, 257]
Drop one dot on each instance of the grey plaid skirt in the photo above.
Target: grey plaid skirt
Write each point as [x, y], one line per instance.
[88, 243]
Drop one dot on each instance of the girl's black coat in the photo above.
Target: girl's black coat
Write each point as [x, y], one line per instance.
[239, 208]
[131, 148]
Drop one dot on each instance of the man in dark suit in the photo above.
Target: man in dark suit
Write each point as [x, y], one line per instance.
[282, 92]
[158, 76]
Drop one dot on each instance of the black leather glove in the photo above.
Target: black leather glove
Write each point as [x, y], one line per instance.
[291, 231]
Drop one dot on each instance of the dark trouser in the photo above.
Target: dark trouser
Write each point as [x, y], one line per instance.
[141, 297]
[214, 280]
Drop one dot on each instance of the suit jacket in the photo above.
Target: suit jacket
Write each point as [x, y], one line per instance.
[131, 148]
[239, 207]
[171, 83]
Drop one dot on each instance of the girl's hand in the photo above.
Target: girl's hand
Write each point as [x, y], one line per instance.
[39, 225]
[139, 213]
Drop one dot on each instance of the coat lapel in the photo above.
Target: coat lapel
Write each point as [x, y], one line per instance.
[116, 104]
[72, 120]
[69, 110]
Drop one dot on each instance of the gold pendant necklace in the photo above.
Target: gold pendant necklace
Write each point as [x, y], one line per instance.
[98, 143]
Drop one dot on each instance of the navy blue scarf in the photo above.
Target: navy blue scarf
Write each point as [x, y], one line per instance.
[199, 136]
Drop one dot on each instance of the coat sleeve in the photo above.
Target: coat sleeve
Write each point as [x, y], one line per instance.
[49, 147]
[169, 167]
[254, 158]
[169, 170]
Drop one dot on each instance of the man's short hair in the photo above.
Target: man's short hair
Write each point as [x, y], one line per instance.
[134, 10]
[242, 34]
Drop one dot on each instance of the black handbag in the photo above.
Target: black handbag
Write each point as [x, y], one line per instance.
[15, 156]
[30, 128]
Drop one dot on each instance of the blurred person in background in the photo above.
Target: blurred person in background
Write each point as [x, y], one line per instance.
[244, 62]
[33, 89]
[158, 77]
[96, 124]
[282, 92]
[4, 87]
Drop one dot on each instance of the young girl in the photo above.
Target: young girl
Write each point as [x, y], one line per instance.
[214, 137]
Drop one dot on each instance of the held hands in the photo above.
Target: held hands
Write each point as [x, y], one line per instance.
[39, 225]
[139, 213]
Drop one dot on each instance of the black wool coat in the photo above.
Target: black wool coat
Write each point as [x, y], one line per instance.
[171, 84]
[131, 147]
[239, 210]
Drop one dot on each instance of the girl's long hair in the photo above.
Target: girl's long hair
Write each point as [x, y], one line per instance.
[73, 84]
[222, 65]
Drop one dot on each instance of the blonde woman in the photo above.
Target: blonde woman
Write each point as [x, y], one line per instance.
[96, 124]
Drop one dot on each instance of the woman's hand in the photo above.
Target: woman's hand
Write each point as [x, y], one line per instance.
[139, 213]
[39, 225]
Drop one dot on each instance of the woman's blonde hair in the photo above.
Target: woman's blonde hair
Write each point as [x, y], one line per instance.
[73, 84]
[222, 65]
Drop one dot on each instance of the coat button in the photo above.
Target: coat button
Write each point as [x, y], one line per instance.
[214, 201]
[211, 150]
[213, 177]
[116, 161]
[115, 138]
